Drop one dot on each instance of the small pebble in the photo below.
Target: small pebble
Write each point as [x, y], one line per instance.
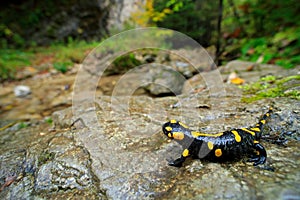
[22, 91]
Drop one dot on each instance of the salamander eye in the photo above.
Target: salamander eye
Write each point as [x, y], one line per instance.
[167, 129]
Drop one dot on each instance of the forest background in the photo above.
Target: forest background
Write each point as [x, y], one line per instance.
[33, 33]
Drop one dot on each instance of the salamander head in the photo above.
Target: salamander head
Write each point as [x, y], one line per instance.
[174, 130]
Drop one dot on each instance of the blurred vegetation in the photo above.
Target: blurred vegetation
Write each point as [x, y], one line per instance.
[255, 30]
[60, 56]
[264, 31]
[197, 19]
[122, 64]
[26, 18]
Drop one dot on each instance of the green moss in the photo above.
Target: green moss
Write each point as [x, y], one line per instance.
[268, 78]
[271, 87]
[44, 157]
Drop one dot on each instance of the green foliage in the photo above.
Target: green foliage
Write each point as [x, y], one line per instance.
[197, 19]
[73, 52]
[272, 86]
[264, 31]
[255, 30]
[122, 64]
[21, 19]
[11, 60]
[282, 49]
[63, 56]
[150, 16]
[61, 66]
[22, 125]
[7, 36]
[176, 5]
[257, 48]
[49, 120]
[259, 18]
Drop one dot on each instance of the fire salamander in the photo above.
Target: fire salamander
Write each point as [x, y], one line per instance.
[229, 145]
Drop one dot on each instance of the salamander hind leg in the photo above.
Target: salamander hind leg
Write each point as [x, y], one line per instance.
[261, 157]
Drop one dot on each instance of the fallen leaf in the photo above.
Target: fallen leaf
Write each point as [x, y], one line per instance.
[9, 180]
[250, 68]
[30, 69]
[251, 51]
[237, 81]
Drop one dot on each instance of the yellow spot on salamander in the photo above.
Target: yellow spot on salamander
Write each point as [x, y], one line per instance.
[185, 153]
[218, 152]
[169, 135]
[182, 124]
[237, 137]
[263, 121]
[255, 129]
[246, 130]
[173, 121]
[255, 142]
[197, 134]
[210, 145]
[168, 128]
[178, 135]
[267, 114]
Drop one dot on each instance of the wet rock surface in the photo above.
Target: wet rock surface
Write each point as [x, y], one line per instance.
[44, 164]
[129, 151]
[113, 147]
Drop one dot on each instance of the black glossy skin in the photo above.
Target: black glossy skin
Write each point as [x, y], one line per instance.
[232, 145]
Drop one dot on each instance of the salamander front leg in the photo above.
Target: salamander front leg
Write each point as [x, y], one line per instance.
[179, 161]
[261, 157]
[176, 163]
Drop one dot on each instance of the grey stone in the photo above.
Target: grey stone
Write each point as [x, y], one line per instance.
[164, 81]
[121, 152]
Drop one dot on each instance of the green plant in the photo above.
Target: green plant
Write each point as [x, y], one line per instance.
[49, 120]
[282, 49]
[61, 66]
[11, 60]
[122, 64]
[22, 125]
[197, 19]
